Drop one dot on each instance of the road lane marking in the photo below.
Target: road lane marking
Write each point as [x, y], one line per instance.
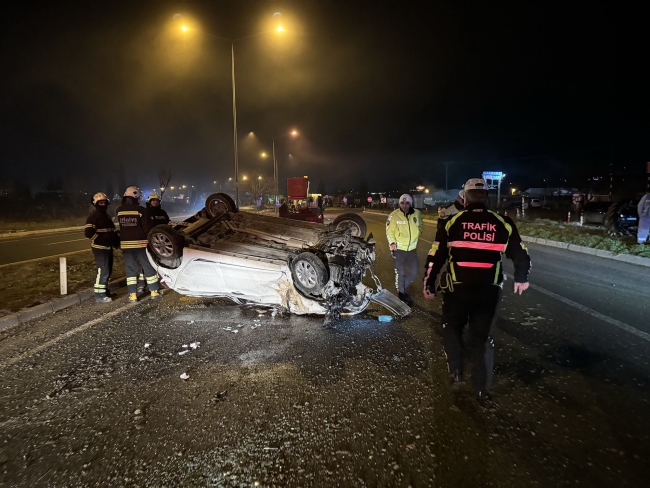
[593, 313]
[44, 257]
[62, 242]
[65, 335]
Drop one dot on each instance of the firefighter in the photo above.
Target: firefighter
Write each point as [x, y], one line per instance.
[158, 217]
[135, 224]
[467, 254]
[103, 238]
[403, 228]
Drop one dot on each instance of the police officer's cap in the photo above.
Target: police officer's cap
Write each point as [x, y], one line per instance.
[475, 184]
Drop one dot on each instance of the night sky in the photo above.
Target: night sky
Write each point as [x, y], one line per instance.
[379, 91]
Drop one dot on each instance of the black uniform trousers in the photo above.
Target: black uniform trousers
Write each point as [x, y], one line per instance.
[104, 262]
[133, 259]
[478, 306]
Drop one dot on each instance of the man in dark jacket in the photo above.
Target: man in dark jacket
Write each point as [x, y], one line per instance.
[469, 246]
[158, 215]
[103, 239]
[135, 224]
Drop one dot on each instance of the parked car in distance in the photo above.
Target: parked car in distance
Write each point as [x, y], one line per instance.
[594, 212]
[308, 214]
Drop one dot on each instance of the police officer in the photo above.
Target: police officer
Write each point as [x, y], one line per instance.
[454, 208]
[103, 238]
[467, 249]
[135, 224]
[403, 228]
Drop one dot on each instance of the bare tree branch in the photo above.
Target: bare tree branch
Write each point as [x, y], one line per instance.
[164, 177]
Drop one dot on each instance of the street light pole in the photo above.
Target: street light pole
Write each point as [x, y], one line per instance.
[234, 123]
[275, 176]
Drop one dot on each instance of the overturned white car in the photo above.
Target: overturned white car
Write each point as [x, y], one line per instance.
[302, 267]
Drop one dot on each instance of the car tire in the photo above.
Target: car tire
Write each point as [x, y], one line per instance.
[613, 223]
[165, 243]
[309, 273]
[218, 203]
[353, 222]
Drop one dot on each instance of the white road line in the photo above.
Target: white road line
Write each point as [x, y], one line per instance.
[593, 313]
[65, 335]
[44, 257]
[63, 242]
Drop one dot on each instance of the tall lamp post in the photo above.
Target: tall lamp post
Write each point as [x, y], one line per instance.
[293, 133]
[232, 42]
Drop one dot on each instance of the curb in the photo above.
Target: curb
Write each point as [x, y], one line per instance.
[34, 232]
[601, 253]
[54, 306]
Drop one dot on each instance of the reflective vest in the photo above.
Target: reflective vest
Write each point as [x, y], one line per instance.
[404, 230]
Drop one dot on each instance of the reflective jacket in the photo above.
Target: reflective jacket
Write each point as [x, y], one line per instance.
[158, 215]
[404, 230]
[471, 243]
[135, 224]
[101, 231]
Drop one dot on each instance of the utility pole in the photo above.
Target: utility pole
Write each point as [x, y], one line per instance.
[447, 163]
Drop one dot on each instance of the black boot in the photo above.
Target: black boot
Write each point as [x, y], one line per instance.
[456, 379]
[408, 299]
[484, 398]
[402, 296]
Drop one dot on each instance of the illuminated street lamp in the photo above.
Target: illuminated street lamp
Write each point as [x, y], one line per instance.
[278, 29]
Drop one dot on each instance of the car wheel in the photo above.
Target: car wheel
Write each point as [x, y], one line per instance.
[352, 222]
[613, 222]
[165, 243]
[219, 203]
[309, 273]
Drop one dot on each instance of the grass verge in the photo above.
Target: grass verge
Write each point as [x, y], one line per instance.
[428, 216]
[29, 284]
[582, 236]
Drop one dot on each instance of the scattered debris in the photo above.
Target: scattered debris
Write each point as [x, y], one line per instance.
[185, 346]
[137, 412]
[385, 318]
[185, 376]
[147, 345]
[195, 345]
[185, 351]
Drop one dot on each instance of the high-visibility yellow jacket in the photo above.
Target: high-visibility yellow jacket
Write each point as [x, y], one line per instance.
[404, 230]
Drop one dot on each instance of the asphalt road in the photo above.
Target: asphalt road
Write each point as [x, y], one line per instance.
[286, 402]
[16, 249]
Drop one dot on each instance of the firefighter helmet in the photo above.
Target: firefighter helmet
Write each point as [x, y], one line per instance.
[153, 196]
[99, 196]
[133, 192]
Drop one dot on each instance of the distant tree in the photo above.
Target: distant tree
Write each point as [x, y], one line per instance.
[110, 189]
[121, 179]
[54, 184]
[363, 189]
[321, 187]
[164, 177]
[21, 190]
[258, 186]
